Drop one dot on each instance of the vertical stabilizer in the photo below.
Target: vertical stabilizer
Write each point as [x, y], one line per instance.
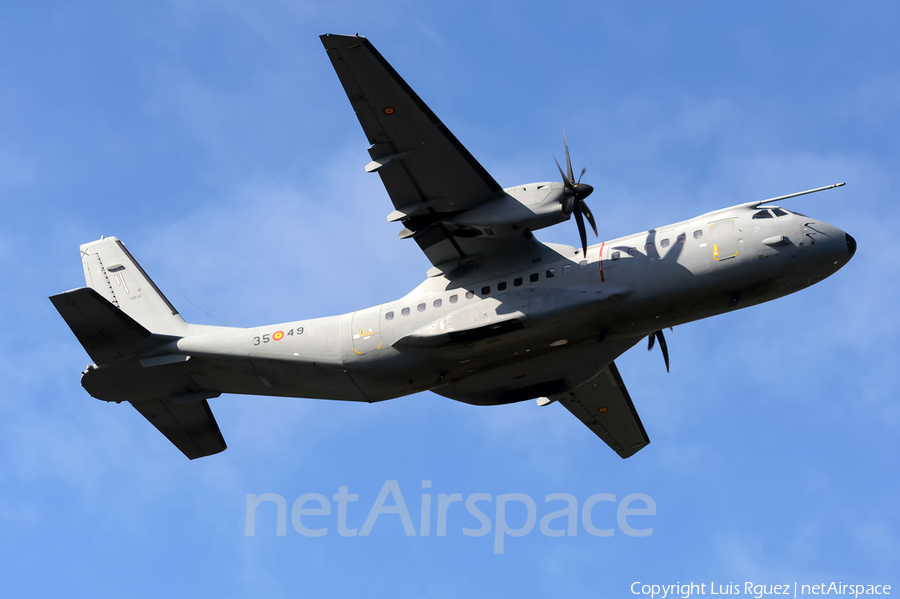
[111, 270]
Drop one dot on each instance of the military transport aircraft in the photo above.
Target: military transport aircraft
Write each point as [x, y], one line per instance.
[500, 318]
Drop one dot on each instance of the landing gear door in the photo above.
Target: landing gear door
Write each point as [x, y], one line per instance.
[723, 236]
[366, 330]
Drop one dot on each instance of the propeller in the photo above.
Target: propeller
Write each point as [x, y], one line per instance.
[576, 192]
[662, 345]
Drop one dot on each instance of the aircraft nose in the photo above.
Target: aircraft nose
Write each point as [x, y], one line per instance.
[851, 244]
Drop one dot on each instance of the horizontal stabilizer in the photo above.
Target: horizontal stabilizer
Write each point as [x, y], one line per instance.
[604, 405]
[189, 425]
[106, 332]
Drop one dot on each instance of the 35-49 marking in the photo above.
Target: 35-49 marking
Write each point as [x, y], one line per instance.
[277, 336]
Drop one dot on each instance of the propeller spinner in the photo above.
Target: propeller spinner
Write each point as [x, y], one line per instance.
[576, 192]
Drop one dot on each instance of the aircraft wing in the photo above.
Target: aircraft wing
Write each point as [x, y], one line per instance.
[429, 175]
[604, 405]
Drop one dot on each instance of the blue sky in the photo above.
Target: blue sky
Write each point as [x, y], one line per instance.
[216, 141]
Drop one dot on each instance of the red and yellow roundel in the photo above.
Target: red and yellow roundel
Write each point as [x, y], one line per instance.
[278, 335]
[389, 110]
[603, 410]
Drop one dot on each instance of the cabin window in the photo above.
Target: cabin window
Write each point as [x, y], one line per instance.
[470, 294]
[762, 214]
[615, 255]
[534, 277]
[632, 252]
[437, 303]
[648, 248]
[404, 312]
[582, 264]
[664, 243]
[698, 234]
[517, 281]
[682, 238]
[486, 290]
[389, 316]
[567, 269]
[551, 272]
[420, 307]
[779, 212]
[454, 298]
[501, 285]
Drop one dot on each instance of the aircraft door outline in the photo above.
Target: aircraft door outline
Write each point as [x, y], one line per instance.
[366, 330]
[723, 237]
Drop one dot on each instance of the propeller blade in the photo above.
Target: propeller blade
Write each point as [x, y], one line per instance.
[568, 160]
[651, 340]
[573, 202]
[587, 212]
[561, 173]
[664, 348]
[580, 220]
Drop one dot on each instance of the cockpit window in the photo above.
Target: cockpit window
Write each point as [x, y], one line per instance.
[799, 214]
[779, 212]
[763, 214]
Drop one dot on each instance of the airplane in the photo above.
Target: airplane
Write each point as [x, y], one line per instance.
[501, 317]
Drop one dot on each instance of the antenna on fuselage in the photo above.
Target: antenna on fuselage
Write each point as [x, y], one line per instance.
[794, 195]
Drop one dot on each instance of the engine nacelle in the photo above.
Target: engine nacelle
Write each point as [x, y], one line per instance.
[533, 206]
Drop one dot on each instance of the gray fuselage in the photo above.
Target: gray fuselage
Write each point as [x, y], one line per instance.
[545, 323]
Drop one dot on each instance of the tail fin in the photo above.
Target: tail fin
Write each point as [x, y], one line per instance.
[123, 320]
[111, 270]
